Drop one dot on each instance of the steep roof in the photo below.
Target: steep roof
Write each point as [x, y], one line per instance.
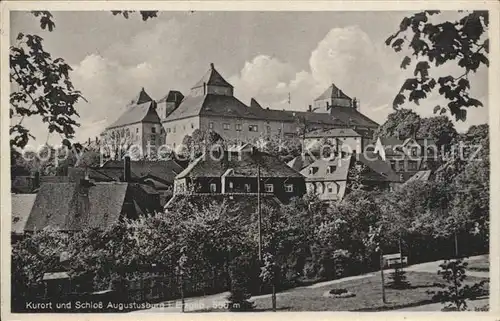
[254, 103]
[334, 132]
[213, 78]
[381, 168]
[299, 162]
[332, 92]
[56, 206]
[21, 208]
[143, 112]
[242, 164]
[166, 170]
[320, 173]
[141, 98]
[172, 96]
[313, 118]
[352, 117]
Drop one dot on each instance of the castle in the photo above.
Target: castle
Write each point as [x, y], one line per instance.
[211, 106]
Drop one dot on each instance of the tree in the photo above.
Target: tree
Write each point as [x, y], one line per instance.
[455, 296]
[200, 142]
[463, 42]
[42, 85]
[402, 122]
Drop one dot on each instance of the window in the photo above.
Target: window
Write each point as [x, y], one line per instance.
[231, 185]
[247, 188]
[401, 177]
[211, 125]
[253, 128]
[269, 188]
[153, 137]
[174, 129]
[128, 132]
[192, 125]
[153, 130]
[312, 170]
[183, 127]
[288, 188]
[213, 188]
[268, 129]
[226, 126]
[330, 169]
[412, 165]
[330, 188]
[393, 165]
[238, 127]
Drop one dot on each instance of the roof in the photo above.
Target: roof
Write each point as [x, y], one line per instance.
[332, 92]
[213, 78]
[55, 276]
[137, 113]
[242, 164]
[172, 96]
[166, 170]
[299, 162]
[320, 169]
[254, 103]
[314, 118]
[21, 208]
[60, 205]
[352, 117]
[420, 176]
[391, 141]
[141, 98]
[334, 132]
[378, 166]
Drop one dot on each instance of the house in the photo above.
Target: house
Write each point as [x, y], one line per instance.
[330, 178]
[407, 156]
[81, 203]
[166, 105]
[160, 175]
[339, 139]
[327, 177]
[139, 125]
[229, 172]
[300, 162]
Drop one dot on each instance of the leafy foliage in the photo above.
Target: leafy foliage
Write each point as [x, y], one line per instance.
[455, 296]
[397, 279]
[463, 42]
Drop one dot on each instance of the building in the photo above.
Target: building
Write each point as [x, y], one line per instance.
[166, 105]
[81, 203]
[21, 209]
[344, 109]
[237, 173]
[339, 139]
[407, 156]
[138, 126]
[330, 178]
[160, 175]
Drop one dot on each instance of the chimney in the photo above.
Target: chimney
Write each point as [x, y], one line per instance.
[212, 66]
[126, 169]
[310, 108]
[204, 88]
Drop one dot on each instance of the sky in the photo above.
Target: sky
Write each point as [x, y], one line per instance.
[264, 55]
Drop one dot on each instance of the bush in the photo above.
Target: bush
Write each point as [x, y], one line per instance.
[338, 293]
[398, 280]
[240, 293]
[454, 297]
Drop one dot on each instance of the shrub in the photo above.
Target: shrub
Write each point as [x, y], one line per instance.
[338, 293]
[455, 295]
[240, 293]
[398, 280]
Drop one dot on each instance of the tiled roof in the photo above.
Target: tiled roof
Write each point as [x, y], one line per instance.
[378, 166]
[334, 132]
[137, 113]
[165, 170]
[332, 92]
[242, 164]
[21, 208]
[299, 162]
[141, 98]
[313, 118]
[254, 103]
[56, 205]
[352, 117]
[212, 77]
[320, 173]
[172, 96]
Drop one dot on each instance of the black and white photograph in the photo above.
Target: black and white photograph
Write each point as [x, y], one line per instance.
[191, 160]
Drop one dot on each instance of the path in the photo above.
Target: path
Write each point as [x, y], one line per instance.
[220, 299]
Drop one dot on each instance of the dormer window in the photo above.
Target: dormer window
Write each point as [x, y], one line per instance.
[153, 130]
[312, 170]
[330, 169]
[289, 188]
